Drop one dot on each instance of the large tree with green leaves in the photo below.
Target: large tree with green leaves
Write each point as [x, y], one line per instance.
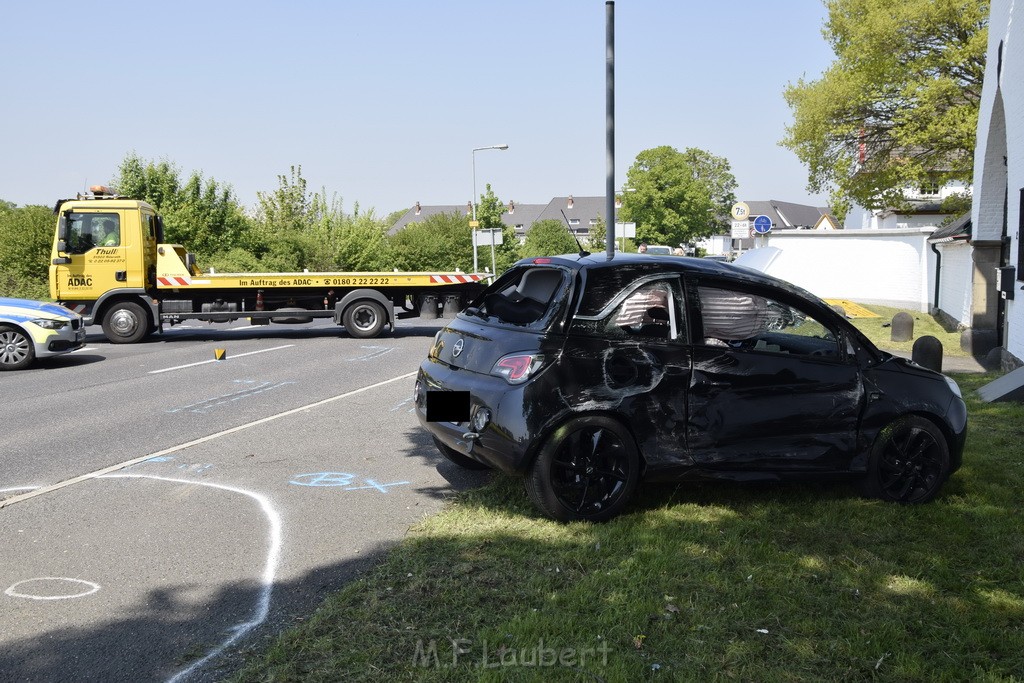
[899, 105]
[26, 238]
[548, 237]
[677, 197]
[201, 214]
[440, 242]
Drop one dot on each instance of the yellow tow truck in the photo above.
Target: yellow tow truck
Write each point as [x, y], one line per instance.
[110, 265]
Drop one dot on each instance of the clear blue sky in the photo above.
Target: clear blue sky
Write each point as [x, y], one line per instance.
[381, 103]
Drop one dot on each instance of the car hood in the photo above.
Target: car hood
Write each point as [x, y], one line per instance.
[468, 345]
[26, 309]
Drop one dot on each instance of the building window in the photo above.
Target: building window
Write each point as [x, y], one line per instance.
[574, 221]
[929, 189]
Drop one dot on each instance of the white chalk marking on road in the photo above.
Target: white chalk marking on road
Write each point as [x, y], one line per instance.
[269, 567]
[214, 360]
[195, 442]
[14, 593]
[19, 488]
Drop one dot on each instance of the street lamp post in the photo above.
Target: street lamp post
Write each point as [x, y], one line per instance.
[475, 150]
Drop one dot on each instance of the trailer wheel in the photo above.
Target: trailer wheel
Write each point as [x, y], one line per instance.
[364, 319]
[125, 323]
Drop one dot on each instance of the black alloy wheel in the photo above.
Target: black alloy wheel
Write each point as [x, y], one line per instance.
[909, 462]
[587, 470]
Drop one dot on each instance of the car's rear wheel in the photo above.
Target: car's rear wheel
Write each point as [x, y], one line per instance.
[588, 469]
[463, 461]
[364, 319]
[16, 350]
[909, 461]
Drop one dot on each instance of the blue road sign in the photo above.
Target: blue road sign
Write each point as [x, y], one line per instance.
[762, 225]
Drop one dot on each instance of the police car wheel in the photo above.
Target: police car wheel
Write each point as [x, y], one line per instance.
[125, 323]
[16, 350]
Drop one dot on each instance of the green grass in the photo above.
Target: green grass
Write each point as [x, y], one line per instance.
[696, 582]
[924, 325]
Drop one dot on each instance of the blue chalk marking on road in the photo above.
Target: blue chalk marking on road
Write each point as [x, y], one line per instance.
[323, 479]
[342, 480]
[374, 485]
[161, 458]
[250, 391]
[372, 352]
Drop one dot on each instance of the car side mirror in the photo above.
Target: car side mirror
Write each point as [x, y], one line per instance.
[62, 230]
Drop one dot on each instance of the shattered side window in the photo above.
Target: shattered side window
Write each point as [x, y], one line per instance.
[648, 313]
[741, 320]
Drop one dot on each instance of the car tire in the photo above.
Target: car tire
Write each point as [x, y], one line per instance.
[587, 470]
[364, 319]
[16, 349]
[453, 456]
[909, 462]
[126, 323]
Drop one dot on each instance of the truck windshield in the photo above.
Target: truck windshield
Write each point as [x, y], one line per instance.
[88, 230]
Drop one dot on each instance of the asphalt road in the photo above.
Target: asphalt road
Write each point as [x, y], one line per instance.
[162, 510]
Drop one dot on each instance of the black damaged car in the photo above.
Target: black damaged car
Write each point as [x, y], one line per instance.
[587, 375]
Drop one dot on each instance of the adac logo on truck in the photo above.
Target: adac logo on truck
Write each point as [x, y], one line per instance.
[79, 281]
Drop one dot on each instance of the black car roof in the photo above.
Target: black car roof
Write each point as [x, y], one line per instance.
[682, 264]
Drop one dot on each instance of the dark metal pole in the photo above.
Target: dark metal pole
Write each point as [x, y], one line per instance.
[609, 199]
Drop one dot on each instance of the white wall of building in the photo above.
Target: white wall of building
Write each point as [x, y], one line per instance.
[999, 155]
[885, 267]
[954, 279]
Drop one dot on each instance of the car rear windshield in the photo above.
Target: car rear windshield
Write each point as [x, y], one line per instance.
[526, 296]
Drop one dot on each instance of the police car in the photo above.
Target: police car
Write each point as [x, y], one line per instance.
[35, 329]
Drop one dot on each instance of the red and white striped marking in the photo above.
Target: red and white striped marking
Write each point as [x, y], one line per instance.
[77, 308]
[174, 281]
[455, 279]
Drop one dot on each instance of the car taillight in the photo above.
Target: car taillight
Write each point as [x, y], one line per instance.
[516, 368]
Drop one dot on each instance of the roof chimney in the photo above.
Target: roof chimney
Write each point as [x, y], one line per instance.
[417, 208]
[570, 202]
[511, 207]
[469, 208]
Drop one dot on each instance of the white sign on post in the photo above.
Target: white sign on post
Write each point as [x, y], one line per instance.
[625, 230]
[740, 230]
[485, 237]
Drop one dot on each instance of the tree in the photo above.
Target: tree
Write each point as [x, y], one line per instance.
[440, 242]
[548, 237]
[201, 214]
[26, 238]
[898, 106]
[678, 197]
[489, 212]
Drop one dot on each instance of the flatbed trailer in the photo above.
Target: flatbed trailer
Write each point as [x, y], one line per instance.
[110, 264]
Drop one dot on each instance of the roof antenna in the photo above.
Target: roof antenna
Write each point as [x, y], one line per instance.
[583, 252]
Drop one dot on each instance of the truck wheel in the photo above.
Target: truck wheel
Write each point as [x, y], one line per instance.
[126, 323]
[16, 350]
[364, 319]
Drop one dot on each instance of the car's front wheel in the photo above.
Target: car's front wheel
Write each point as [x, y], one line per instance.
[588, 469]
[16, 350]
[909, 462]
[126, 323]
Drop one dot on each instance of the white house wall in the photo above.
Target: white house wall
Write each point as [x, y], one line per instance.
[954, 295]
[884, 267]
[999, 155]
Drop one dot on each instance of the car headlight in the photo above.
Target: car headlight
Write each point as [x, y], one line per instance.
[48, 324]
